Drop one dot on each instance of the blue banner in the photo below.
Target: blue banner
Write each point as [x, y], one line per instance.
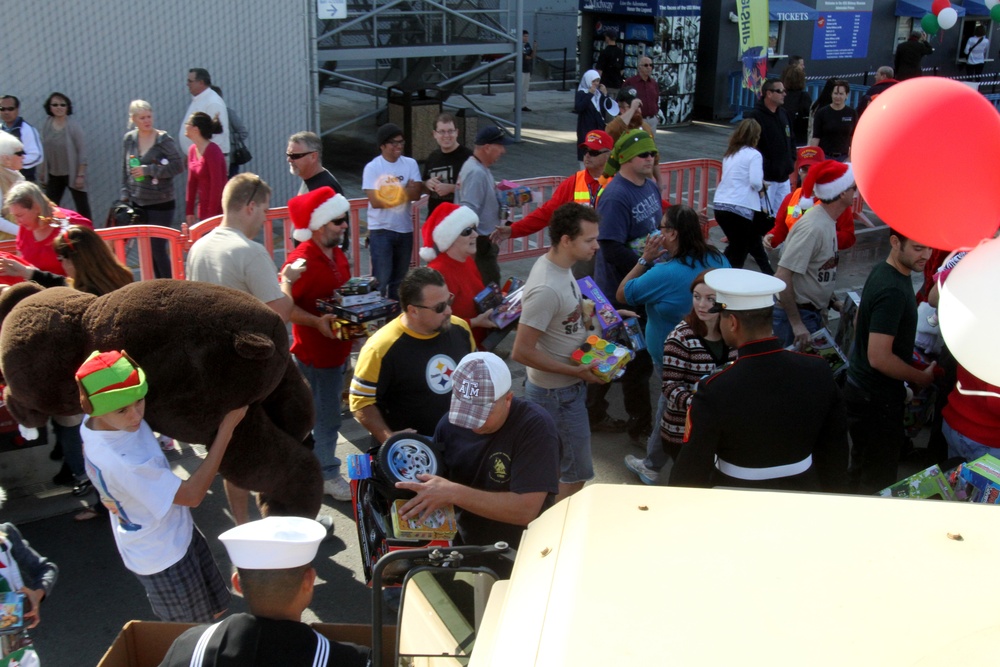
[838, 35]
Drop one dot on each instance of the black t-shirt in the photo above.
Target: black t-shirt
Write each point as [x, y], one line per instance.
[521, 457]
[444, 167]
[610, 64]
[834, 129]
[321, 178]
[527, 57]
[889, 307]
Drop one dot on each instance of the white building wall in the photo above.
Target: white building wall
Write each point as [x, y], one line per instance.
[105, 53]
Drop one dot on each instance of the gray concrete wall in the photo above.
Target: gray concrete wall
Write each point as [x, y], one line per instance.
[105, 54]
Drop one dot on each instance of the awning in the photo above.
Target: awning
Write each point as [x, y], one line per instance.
[789, 10]
[917, 8]
[973, 8]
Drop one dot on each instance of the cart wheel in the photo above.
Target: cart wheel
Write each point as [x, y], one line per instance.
[402, 457]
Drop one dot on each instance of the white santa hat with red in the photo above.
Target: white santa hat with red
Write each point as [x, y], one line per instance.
[312, 210]
[443, 226]
[825, 181]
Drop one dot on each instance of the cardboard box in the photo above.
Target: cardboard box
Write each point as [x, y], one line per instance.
[929, 483]
[358, 299]
[983, 476]
[381, 309]
[603, 312]
[822, 344]
[509, 309]
[632, 335]
[359, 285]
[145, 643]
[489, 298]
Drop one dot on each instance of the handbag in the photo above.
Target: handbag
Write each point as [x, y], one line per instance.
[240, 154]
[123, 214]
[763, 220]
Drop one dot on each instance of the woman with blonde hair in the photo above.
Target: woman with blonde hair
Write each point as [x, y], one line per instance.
[39, 222]
[150, 160]
[738, 197]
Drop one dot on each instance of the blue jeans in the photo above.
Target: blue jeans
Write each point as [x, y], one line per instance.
[783, 328]
[568, 408]
[656, 456]
[326, 385]
[390, 253]
[967, 448]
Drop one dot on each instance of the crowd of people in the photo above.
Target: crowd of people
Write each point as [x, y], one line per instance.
[724, 342]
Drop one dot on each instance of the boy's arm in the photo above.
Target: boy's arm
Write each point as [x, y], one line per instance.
[192, 490]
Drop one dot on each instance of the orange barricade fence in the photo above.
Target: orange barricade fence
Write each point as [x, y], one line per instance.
[689, 182]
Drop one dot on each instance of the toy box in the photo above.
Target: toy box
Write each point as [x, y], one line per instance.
[357, 299]
[509, 309]
[599, 307]
[489, 298]
[631, 334]
[511, 194]
[821, 344]
[440, 525]
[612, 358]
[381, 309]
[359, 285]
[11, 612]
[929, 483]
[983, 476]
[345, 330]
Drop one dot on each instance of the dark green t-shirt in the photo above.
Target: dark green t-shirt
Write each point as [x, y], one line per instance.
[888, 306]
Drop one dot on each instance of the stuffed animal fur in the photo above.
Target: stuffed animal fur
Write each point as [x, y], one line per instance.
[206, 350]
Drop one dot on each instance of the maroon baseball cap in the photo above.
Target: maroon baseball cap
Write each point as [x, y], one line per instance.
[598, 140]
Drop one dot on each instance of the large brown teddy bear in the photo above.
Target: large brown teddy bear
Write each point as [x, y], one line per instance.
[205, 349]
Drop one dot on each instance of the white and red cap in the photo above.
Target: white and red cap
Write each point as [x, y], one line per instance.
[443, 226]
[312, 210]
[825, 181]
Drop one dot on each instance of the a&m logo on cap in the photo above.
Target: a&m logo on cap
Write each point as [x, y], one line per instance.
[469, 389]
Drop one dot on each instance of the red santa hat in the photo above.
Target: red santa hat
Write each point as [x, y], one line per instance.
[443, 226]
[312, 210]
[825, 181]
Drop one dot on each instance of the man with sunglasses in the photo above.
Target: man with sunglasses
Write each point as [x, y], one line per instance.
[320, 219]
[305, 160]
[777, 142]
[14, 125]
[391, 181]
[630, 211]
[403, 377]
[647, 90]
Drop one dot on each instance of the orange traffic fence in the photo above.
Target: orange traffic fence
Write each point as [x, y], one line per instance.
[689, 182]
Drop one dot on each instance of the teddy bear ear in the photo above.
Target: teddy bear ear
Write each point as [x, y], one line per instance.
[15, 294]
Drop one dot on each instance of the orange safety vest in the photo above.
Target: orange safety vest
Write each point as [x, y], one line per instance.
[790, 217]
[581, 191]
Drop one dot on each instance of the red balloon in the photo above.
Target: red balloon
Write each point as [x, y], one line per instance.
[938, 5]
[925, 159]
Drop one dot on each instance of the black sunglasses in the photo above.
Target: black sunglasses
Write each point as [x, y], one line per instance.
[298, 156]
[649, 154]
[593, 153]
[467, 231]
[340, 221]
[440, 308]
[8, 108]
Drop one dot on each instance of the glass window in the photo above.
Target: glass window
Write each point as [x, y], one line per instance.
[775, 38]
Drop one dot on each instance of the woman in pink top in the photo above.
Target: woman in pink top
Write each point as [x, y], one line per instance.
[206, 168]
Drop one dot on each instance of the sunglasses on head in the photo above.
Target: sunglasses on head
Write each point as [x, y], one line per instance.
[439, 308]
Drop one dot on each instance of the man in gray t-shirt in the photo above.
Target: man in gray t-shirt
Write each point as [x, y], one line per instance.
[477, 190]
[551, 327]
[808, 264]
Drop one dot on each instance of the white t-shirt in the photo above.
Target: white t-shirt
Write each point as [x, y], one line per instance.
[207, 101]
[552, 305]
[130, 470]
[387, 178]
[226, 257]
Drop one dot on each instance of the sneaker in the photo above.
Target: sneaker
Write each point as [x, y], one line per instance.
[607, 424]
[337, 488]
[525, 109]
[638, 466]
[166, 443]
[82, 488]
[327, 524]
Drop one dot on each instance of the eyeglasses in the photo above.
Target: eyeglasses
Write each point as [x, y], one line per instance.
[253, 193]
[340, 221]
[650, 154]
[593, 153]
[8, 108]
[780, 91]
[439, 308]
[646, 65]
[446, 132]
[58, 104]
[467, 231]
[298, 156]
[396, 142]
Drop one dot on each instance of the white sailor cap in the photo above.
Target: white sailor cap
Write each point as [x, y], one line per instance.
[274, 543]
[740, 289]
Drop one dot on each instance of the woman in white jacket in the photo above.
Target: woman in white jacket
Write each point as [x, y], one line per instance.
[738, 197]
